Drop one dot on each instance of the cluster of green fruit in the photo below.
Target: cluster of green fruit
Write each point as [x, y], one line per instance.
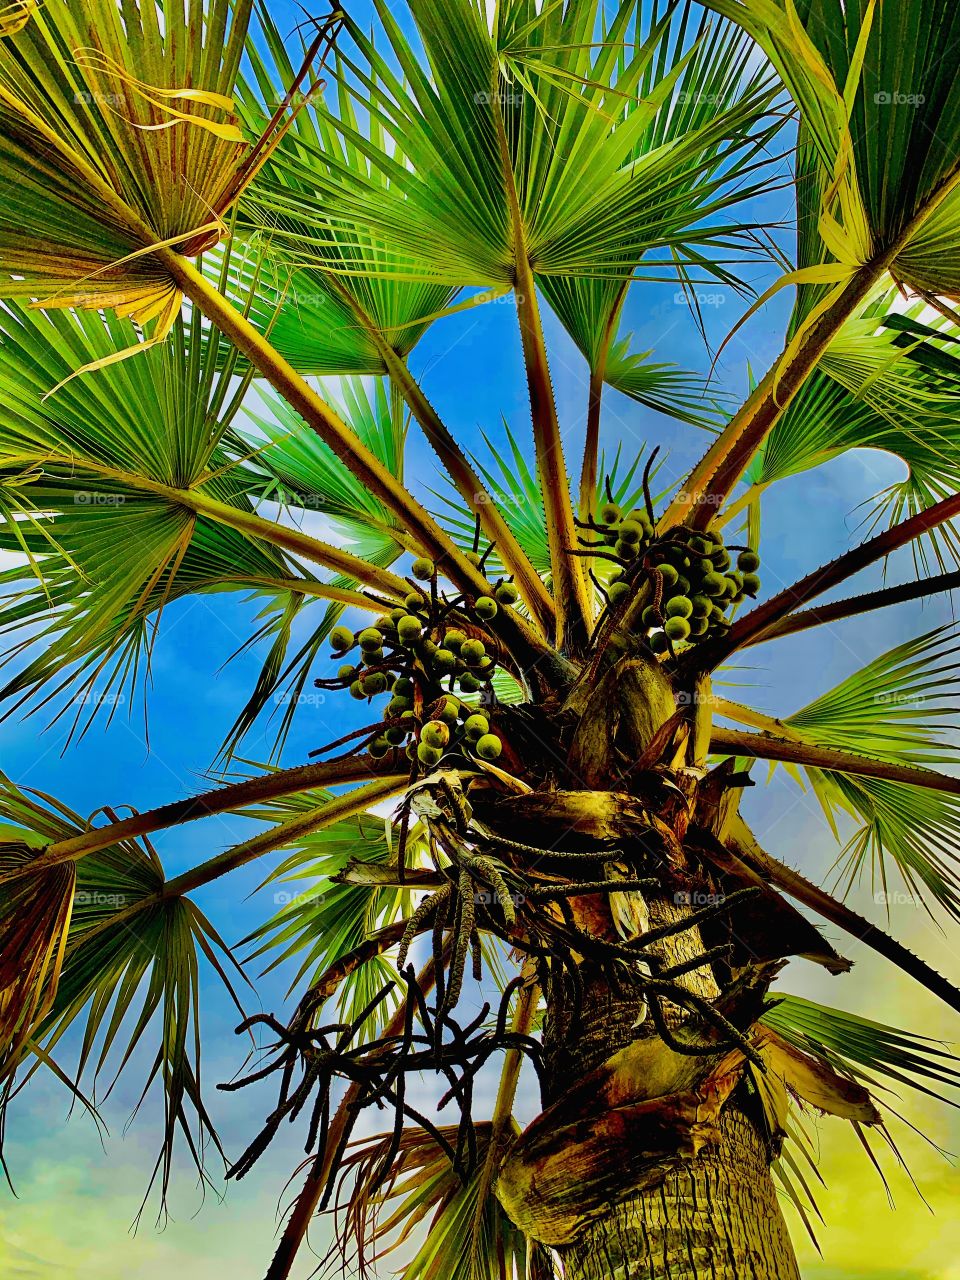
[691, 574]
[422, 661]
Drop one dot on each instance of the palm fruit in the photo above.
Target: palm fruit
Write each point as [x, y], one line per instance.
[677, 628]
[449, 711]
[678, 607]
[396, 735]
[701, 606]
[409, 629]
[435, 734]
[488, 747]
[475, 726]
[751, 584]
[372, 657]
[617, 591]
[748, 561]
[669, 574]
[658, 642]
[630, 531]
[507, 593]
[347, 672]
[428, 755]
[472, 652]
[397, 614]
[473, 557]
[610, 513]
[403, 687]
[342, 638]
[370, 639]
[379, 747]
[713, 585]
[699, 626]
[452, 640]
[468, 683]
[444, 661]
[385, 625]
[422, 569]
[356, 691]
[485, 607]
[373, 683]
[414, 601]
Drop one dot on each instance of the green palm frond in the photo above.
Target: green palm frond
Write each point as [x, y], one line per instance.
[130, 995]
[118, 103]
[424, 1202]
[898, 708]
[889, 382]
[881, 1056]
[319, 920]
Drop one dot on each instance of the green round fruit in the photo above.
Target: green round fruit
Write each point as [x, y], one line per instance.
[397, 706]
[651, 616]
[422, 569]
[618, 591]
[713, 585]
[428, 755]
[435, 733]
[452, 640]
[658, 642]
[610, 513]
[682, 585]
[625, 550]
[721, 558]
[748, 561]
[485, 607]
[705, 566]
[488, 747]
[444, 660]
[679, 607]
[370, 639]
[356, 691]
[373, 657]
[701, 606]
[403, 687]
[472, 652]
[347, 672]
[374, 684]
[396, 735]
[507, 593]
[468, 683]
[397, 614]
[669, 574]
[751, 584]
[630, 532]
[379, 747]
[341, 638]
[473, 557]
[475, 726]
[386, 626]
[449, 711]
[409, 630]
[698, 626]
[677, 628]
[414, 601]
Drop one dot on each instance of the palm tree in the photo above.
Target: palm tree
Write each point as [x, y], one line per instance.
[197, 217]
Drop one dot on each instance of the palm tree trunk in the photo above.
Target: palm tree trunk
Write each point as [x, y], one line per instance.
[717, 1216]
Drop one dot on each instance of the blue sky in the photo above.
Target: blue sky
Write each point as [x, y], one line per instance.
[77, 1199]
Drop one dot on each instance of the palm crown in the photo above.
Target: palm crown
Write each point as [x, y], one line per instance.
[197, 226]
